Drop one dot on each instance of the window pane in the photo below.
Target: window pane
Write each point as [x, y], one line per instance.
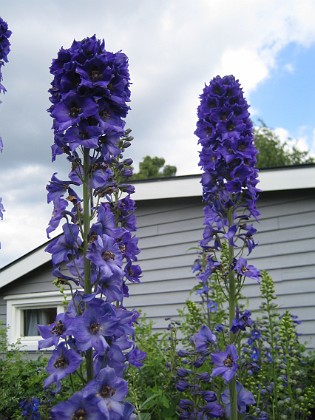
[33, 317]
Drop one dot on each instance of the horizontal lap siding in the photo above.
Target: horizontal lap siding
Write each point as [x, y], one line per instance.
[286, 236]
[39, 280]
[169, 229]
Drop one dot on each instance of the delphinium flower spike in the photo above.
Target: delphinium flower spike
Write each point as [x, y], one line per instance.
[96, 253]
[229, 182]
[5, 34]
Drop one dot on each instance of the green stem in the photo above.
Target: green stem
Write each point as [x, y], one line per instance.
[87, 265]
[232, 311]
[232, 307]
[273, 353]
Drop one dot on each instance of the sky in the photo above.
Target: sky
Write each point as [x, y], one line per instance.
[175, 47]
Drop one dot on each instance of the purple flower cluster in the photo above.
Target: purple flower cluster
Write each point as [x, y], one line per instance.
[1, 209]
[97, 251]
[228, 159]
[241, 321]
[89, 94]
[5, 34]
[30, 408]
[244, 399]
[192, 380]
[100, 399]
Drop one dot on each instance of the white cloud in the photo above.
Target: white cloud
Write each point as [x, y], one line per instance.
[282, 133]
[27, 212]
[247, 66]
[300, 142]
[289, 67]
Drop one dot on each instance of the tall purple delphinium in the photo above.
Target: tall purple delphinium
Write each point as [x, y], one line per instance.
[229, 180]
[228, 159]
[97, 252]
[5, 34]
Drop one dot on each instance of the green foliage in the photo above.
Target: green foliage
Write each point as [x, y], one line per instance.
[152, 387]
[274, 366]
[192, 318]
[274, 153]
[283, 386]
[279, 385]
[154, 167]
[22, 377]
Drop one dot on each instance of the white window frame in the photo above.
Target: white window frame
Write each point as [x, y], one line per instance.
[16, 304]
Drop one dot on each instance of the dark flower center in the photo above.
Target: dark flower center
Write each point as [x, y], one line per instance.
[94, 328]
[60, 363]
[74, 111]
[107, 391]
[228, 362]
[212, 103]
[217, 90]
[230, 126]
[72, 199]
[95, 75]
[229, 92]
[108, 255]
[122, 248]
[130, 271]
[58, 328]
[104, 115]
[93, 237]
[84, 135]
[79, 414]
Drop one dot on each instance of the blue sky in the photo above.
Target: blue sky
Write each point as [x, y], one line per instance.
[174, 48]
[287, 98]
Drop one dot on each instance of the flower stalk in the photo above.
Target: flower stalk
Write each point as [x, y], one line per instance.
[232, 315]
[97, 251]
[229, 180]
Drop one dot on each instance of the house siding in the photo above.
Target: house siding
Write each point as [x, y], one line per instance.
[169, 230]
[39, 280]
[286, 236]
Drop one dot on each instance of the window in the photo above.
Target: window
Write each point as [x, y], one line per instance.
[26, 311]
[33, 317]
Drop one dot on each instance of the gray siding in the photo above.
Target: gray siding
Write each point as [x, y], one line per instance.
[286, 236]
[39, 280]
[168, 229]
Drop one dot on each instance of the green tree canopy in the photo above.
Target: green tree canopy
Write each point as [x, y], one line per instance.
[154, 167]
[274, 153]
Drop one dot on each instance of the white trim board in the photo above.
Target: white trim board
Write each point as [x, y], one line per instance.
[270, 180]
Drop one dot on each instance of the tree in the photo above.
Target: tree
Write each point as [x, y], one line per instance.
[154, 167]
[274, 153]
